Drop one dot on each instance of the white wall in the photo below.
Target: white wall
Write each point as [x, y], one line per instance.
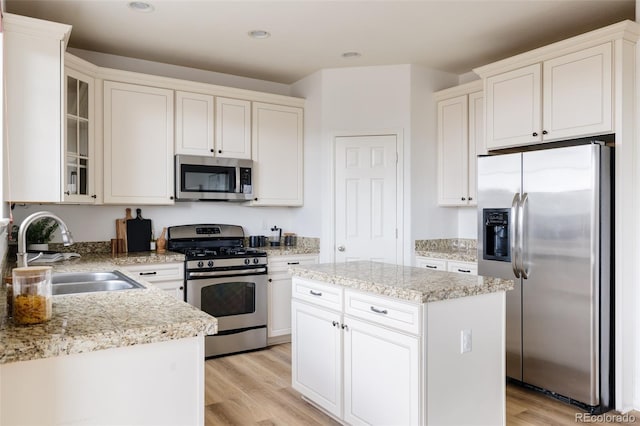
[97, 223]
[175, 71]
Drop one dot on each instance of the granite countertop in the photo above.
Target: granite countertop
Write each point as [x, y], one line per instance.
[95, 321]
[289, 250]
[463, 250]
[402, 282]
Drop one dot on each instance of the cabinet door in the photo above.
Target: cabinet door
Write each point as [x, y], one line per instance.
[476, 142]
[279, 303]
[514, 108]
[316, 355]
[172, 288]
[33, 75]
[233, 128]
[381, 375]
[578, 94]
[138, 144]
[194, 124]
[277, 153]
[453, 151]
[80, 154]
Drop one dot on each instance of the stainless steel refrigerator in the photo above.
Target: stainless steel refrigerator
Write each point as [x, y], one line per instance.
[544, 220]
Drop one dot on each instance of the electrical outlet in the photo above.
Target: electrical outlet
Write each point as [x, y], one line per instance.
[465, 341]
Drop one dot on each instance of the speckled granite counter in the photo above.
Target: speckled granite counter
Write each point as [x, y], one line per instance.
[94, 321]
[450, 249]
[289, 251]
[402, 282]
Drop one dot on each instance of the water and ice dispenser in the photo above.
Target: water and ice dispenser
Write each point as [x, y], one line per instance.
[496, 234]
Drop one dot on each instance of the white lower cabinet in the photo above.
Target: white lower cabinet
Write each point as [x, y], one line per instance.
[169, 277]
[279, 295]
[435, 264]
[356, 369]
[470, 268]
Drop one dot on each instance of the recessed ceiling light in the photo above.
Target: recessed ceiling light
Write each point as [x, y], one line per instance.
[351, 54]
[259, 34]
[140, 6]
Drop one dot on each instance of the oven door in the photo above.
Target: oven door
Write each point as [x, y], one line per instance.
[238, 302]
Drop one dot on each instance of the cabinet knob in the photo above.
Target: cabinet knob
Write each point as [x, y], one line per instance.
[345, 327]
[335, 323]
[181, 288]
[219, 151]
[270, 280]
[67, 192]
[212, 150]
[171, 198]
[470, 199]
[463, 199]
[341, 248]
[535, 134]
[94, 196]
[544, 132]
[255, 199]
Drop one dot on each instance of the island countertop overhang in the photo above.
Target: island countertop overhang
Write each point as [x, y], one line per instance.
[402, 282]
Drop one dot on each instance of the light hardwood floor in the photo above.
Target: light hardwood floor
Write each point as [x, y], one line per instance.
[255, 389]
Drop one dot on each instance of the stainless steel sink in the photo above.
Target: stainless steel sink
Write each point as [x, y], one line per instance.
[89, 282]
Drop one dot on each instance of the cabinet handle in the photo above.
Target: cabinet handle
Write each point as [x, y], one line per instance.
[470, 199]
[463, 199]
[255, 199]
[345, 327]
[464, 271]
[171, 198]
[335, 323]
[270, 280]
[94, 196]
[535, 134]
[431, 266]
[67, 192]
[181, 288]
[219, 151]
[379, 311]
[544, 132]
[148, 273]
[314, 293]
[212, 150]
[293, 263]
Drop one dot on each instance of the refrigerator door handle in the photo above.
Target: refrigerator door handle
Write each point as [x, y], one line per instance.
[514, 234]
[523, 202]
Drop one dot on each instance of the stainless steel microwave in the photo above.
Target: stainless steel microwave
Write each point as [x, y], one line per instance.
[210, 179]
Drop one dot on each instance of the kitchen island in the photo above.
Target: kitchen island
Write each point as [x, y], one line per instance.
[123, 357]
[375, 343]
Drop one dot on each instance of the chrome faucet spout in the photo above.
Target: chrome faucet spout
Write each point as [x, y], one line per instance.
[67, 238]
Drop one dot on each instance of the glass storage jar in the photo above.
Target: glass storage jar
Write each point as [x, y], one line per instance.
[32, 298]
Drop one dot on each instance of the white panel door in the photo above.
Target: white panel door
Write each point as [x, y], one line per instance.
[514, 108]
[233, 128]
[381, 375]
[453, 151]
[365, 198]
[138, 144]
[316, 355]
[578, 94]
[194, 124]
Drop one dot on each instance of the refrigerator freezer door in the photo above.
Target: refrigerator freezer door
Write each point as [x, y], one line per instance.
[499, 180]
[560, 246]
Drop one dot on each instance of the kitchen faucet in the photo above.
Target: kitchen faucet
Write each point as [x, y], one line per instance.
[67, 239]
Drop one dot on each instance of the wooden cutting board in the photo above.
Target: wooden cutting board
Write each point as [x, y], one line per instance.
[138, 233]
[121, 230]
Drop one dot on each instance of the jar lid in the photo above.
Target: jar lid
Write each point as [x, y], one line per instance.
[28, 271]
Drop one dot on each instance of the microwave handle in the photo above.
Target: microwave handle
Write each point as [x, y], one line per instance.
[238, 188]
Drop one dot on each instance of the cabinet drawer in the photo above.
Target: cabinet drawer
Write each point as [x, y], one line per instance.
[327, 295]
[283, 263]
[158, 271]
[384, 311]
[464, 267]
[429, 263]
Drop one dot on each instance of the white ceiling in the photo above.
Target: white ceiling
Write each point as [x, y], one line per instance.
[306, 35]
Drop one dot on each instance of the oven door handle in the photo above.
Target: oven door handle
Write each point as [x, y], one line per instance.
[250, 271]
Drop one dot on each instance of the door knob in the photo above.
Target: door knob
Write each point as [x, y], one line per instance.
[340, 248]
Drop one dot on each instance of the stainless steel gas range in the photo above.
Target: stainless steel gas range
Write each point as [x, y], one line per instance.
[227, 280]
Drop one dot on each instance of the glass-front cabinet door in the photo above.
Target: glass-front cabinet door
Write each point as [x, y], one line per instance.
[78, 182]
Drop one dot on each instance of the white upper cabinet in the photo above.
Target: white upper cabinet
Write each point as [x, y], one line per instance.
[460, 140]
[79, 183]
[138, 144]
[194, 124]
[34, 87]
[233, 128]
[209, 126]
[277, 154]
[566, 97]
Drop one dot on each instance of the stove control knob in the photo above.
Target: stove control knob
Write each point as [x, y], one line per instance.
[210, 264]
[247, 261]
[200, 264]
[256, 260]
